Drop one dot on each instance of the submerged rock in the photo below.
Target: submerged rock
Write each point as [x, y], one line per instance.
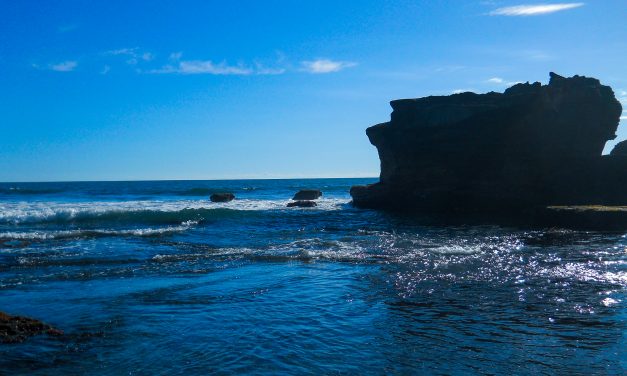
[222, 197]
[15, 329]
[307, 194]
[499, 153]
[301, 204]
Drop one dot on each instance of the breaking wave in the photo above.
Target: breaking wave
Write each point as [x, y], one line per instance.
[149, 212]
[93, 233]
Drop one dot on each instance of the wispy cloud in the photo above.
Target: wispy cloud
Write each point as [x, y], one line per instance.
[147, 56]
[122, 51]
[176, 56]
[459, 91]
[203, 67]
[65, 66]
[206, 66]
[133, 55]
[143, 62]
[533, 10]
[176, 65]
[501, 81]
[325, 66]
[260, 69]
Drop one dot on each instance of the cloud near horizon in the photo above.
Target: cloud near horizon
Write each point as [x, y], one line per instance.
[534, 9]
[500, 81]
[496, 80]
[459, 91]
[326, 66]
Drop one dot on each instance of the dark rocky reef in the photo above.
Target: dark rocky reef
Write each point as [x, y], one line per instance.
[500, 154]
[222, 197]
[15, 329]
[307, 194]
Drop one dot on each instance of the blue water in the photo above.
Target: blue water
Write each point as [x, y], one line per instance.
[150, 278]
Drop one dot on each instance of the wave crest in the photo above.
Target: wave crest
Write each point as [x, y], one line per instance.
[93, 233]
[145, 212]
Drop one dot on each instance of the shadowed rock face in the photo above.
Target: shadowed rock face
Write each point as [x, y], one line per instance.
[533, 145]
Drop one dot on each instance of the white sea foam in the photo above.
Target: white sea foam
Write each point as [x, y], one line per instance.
[29, 212]
[319, 248]
[61, 234]
[457, 249]
[609, 302]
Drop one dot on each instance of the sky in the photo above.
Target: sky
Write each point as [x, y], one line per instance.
[130, 90]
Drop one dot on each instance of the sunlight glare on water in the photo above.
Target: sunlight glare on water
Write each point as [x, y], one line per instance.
[145, 277]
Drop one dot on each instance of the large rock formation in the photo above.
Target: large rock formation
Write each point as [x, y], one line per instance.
[486, 154]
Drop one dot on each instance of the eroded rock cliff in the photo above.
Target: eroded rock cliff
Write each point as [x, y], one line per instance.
[533, 145]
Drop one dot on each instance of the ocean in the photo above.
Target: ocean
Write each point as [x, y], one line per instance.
[151, 278]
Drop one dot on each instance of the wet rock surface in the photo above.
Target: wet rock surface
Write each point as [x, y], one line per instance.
[302, 204]
[500, 154]
[15, 329]
[307, 194]
[222, 197]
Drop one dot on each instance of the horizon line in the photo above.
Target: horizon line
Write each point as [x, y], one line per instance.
[164, 180]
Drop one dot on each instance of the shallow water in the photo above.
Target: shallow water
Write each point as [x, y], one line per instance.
[150, 278]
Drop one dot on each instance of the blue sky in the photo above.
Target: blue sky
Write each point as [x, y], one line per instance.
[121, 90]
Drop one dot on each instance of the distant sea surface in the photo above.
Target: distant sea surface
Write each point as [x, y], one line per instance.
[151, 278]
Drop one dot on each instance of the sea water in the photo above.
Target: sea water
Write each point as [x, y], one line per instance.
[151, 278]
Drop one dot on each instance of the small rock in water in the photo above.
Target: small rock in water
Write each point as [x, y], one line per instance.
[222, 197]
[15, 329]
[301, 204]
[307, 194]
